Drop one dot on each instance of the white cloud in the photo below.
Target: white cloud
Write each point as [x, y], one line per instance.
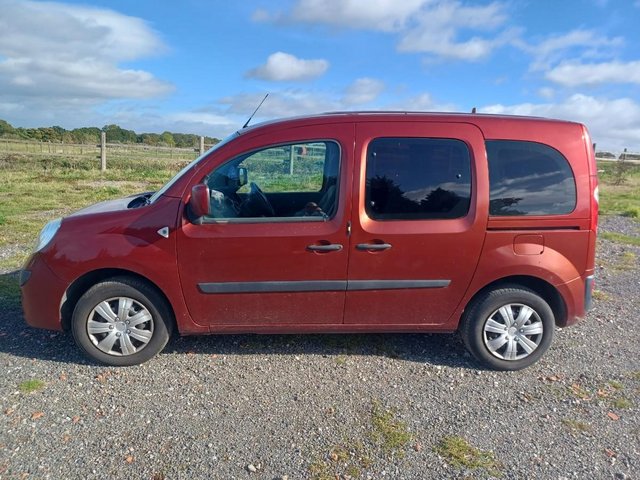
[60, 64]
[546, 92]
[438, 28]
[383, 15]
[284, 67]
[435, 27]
[362, 91]
[572, 74]
[613, 124]
[285, 103]
[261, 15]
[294, 102]
[422, 102]
[577, 43]
[67, 56]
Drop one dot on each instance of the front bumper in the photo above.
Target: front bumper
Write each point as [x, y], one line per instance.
[42, 292]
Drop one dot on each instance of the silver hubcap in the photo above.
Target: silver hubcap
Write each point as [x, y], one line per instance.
[513, 331]
[120, 326]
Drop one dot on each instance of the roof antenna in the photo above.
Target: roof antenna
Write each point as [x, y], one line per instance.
[473, 110]
[254, 112]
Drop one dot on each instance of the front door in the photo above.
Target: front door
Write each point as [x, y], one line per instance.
[419, 219]
[274, 249]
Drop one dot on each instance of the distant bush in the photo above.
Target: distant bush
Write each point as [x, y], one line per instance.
[91, 135]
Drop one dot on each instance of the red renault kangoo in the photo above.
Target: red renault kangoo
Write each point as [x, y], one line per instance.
[338, 223]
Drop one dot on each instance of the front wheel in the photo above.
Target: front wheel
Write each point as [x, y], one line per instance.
[508, 328]
[121, 322]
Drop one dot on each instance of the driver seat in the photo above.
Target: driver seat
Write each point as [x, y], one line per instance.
[328, 201]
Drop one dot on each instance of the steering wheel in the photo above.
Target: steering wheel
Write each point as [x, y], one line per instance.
[259, 202]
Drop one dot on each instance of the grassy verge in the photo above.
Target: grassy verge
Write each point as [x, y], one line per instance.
[619, 192]
[36, 190]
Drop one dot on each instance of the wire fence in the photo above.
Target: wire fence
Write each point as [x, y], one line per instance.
[89, 152]
[625, 156]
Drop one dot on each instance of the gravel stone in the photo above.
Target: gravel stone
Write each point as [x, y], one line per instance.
[212, 407]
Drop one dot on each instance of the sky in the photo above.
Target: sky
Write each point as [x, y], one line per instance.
[203, 66]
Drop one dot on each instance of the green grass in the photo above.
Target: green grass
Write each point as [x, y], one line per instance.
[623, 199]
[384, 436]
[35, 190]
[389, 432]
[29, 386]
[341, 360]
[624, 262]
[615, 384]
[9, 292]
[601, 296]
[576, 426]
[620, 238]
[459, 453]
[622, 403]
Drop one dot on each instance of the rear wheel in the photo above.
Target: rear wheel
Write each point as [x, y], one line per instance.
[508, 328]
[121, 322]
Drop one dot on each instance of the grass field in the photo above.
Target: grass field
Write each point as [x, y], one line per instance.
[37, 188]
[34, 190]
[621, 199]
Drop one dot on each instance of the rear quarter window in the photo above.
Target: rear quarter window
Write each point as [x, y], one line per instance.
[529, 178]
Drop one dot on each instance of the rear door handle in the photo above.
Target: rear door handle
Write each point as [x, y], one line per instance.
[332, 247]
[373, 246]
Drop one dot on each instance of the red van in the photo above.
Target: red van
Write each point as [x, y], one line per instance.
[338, 223]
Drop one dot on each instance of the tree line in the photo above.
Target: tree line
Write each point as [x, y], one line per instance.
[91, 135]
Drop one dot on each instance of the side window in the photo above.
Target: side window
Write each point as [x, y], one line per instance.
[417, 179]
[529, 178]
[294, 181]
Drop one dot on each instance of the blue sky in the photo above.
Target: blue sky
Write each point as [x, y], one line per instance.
[202, 66]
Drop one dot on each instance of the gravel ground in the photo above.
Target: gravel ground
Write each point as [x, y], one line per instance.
[361, 406]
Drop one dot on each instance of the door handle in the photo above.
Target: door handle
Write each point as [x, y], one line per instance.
[332, 247]
[373, 246]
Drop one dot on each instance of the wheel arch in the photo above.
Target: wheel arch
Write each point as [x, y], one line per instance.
[544, 289]
[83, 283]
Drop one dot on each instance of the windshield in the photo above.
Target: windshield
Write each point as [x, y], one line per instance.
[178, 175]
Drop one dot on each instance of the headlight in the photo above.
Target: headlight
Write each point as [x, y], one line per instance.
[47, 233]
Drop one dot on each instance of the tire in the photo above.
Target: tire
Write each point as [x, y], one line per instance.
[508, 328]
[105, 337]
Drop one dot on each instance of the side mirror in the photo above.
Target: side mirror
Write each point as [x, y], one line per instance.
[199, 201]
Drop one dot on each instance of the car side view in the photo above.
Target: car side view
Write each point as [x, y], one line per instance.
[338, 223]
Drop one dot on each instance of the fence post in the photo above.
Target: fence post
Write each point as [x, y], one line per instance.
[103, 151]
[291, 156]
[201, 145]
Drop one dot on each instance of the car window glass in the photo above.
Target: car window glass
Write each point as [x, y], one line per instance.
[417, 178]
[293, 181]
[529, 178]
